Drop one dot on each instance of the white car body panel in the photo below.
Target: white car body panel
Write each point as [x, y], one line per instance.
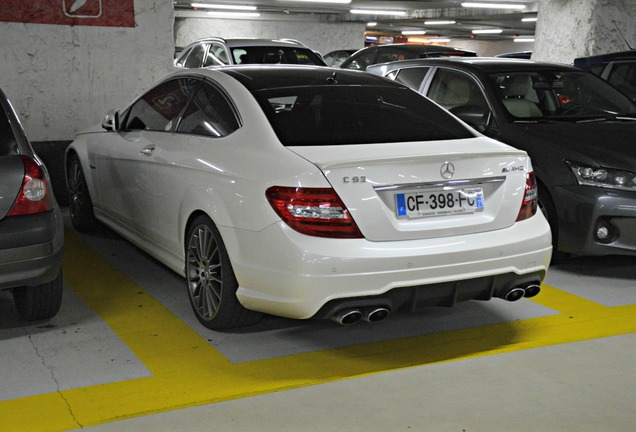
[148, 185]
[371, 201]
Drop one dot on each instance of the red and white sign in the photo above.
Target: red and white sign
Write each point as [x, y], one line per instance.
[110, 13]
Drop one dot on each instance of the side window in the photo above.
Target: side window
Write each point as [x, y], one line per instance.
[209, 113]
[158, 108]
[216, 56]
[183, 56]
[363, 60]
[195, 58]
[453, 89]
[412, 77]
[623, 77]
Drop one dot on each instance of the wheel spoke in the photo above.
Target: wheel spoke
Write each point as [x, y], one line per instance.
[204, 272]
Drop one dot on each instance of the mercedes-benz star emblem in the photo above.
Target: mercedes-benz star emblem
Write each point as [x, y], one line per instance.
[447, 170]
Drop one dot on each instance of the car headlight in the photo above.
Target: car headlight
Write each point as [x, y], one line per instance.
[603, 177]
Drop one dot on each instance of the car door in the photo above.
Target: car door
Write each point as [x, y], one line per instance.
[122, 163]
[179, 160]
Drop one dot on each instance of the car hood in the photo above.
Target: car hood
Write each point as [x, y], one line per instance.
[611, 144]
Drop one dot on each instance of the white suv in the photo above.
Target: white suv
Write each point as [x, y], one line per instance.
[216, 51]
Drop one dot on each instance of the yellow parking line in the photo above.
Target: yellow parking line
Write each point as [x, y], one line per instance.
[187, 371]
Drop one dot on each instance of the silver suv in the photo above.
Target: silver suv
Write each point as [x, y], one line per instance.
[216, 51]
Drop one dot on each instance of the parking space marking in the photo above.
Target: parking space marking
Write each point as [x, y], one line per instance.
[187, 371]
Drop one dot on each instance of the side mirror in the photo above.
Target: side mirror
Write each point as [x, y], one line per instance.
[111, 121]
[474, 115]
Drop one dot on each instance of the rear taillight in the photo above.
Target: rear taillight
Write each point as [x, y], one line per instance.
[35, 195]
[313, 211]
[530, 198]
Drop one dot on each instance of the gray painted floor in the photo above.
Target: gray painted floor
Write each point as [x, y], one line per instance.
[541, 378]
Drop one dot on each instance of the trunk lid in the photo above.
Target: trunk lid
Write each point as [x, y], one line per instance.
[395, 191]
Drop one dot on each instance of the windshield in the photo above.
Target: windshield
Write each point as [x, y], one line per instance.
[355, 114]
[275, 55]
[560, 95]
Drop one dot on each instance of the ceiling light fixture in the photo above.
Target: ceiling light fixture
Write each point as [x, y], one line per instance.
[227, 14]
[529, 19]
[219, 6]
[414, 32]
[487, 31]
[439, 22]
[324, 1]
[372, 24]
[524, 39]
[377, 12]
[493, 5]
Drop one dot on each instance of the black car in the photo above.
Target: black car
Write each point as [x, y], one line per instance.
[618, 68]
[578, 130]
[31, 227]
[392, 52]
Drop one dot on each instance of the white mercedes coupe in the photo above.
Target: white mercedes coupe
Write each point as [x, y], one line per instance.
[305, 192]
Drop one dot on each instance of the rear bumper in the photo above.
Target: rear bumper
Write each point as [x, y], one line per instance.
[299, 275]
[32, 248]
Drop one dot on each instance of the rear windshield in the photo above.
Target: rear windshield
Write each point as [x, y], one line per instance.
[331, 115]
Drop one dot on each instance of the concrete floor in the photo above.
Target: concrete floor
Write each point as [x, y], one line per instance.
[125, 353]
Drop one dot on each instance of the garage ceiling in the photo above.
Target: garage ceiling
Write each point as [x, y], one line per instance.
[415, 14]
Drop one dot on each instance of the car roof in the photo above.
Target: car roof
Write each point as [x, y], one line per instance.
[483, 64]
[260, 77]
[419, 48]
[239, 42]
[602, 59]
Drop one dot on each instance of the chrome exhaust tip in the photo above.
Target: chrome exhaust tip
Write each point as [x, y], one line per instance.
[515, 294]
[532, 290]
[347, 317]
[376, 314]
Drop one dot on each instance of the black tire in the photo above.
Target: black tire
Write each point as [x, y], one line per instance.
[211, 281]
[546, 205]
[79, 200]
[40, 302]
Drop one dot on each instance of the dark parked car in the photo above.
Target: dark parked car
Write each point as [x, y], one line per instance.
[215, 51]
[387, 53]
[618, 68]
[31, 228]
[578, 130]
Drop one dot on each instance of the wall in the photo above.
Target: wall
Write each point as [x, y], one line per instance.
[62, 79]
[491, 48]
[567, 29]
[320, 36]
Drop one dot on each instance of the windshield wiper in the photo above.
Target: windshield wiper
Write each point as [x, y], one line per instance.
[607, 118]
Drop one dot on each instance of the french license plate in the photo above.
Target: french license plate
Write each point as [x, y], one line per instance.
[439, 202]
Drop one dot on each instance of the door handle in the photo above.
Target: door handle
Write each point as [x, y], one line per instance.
[147, 151]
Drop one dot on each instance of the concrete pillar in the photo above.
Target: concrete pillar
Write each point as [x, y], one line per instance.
[567, 29]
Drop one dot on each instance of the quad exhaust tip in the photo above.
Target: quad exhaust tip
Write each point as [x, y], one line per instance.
[529, 290]
[348, 317]
[376, 314]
